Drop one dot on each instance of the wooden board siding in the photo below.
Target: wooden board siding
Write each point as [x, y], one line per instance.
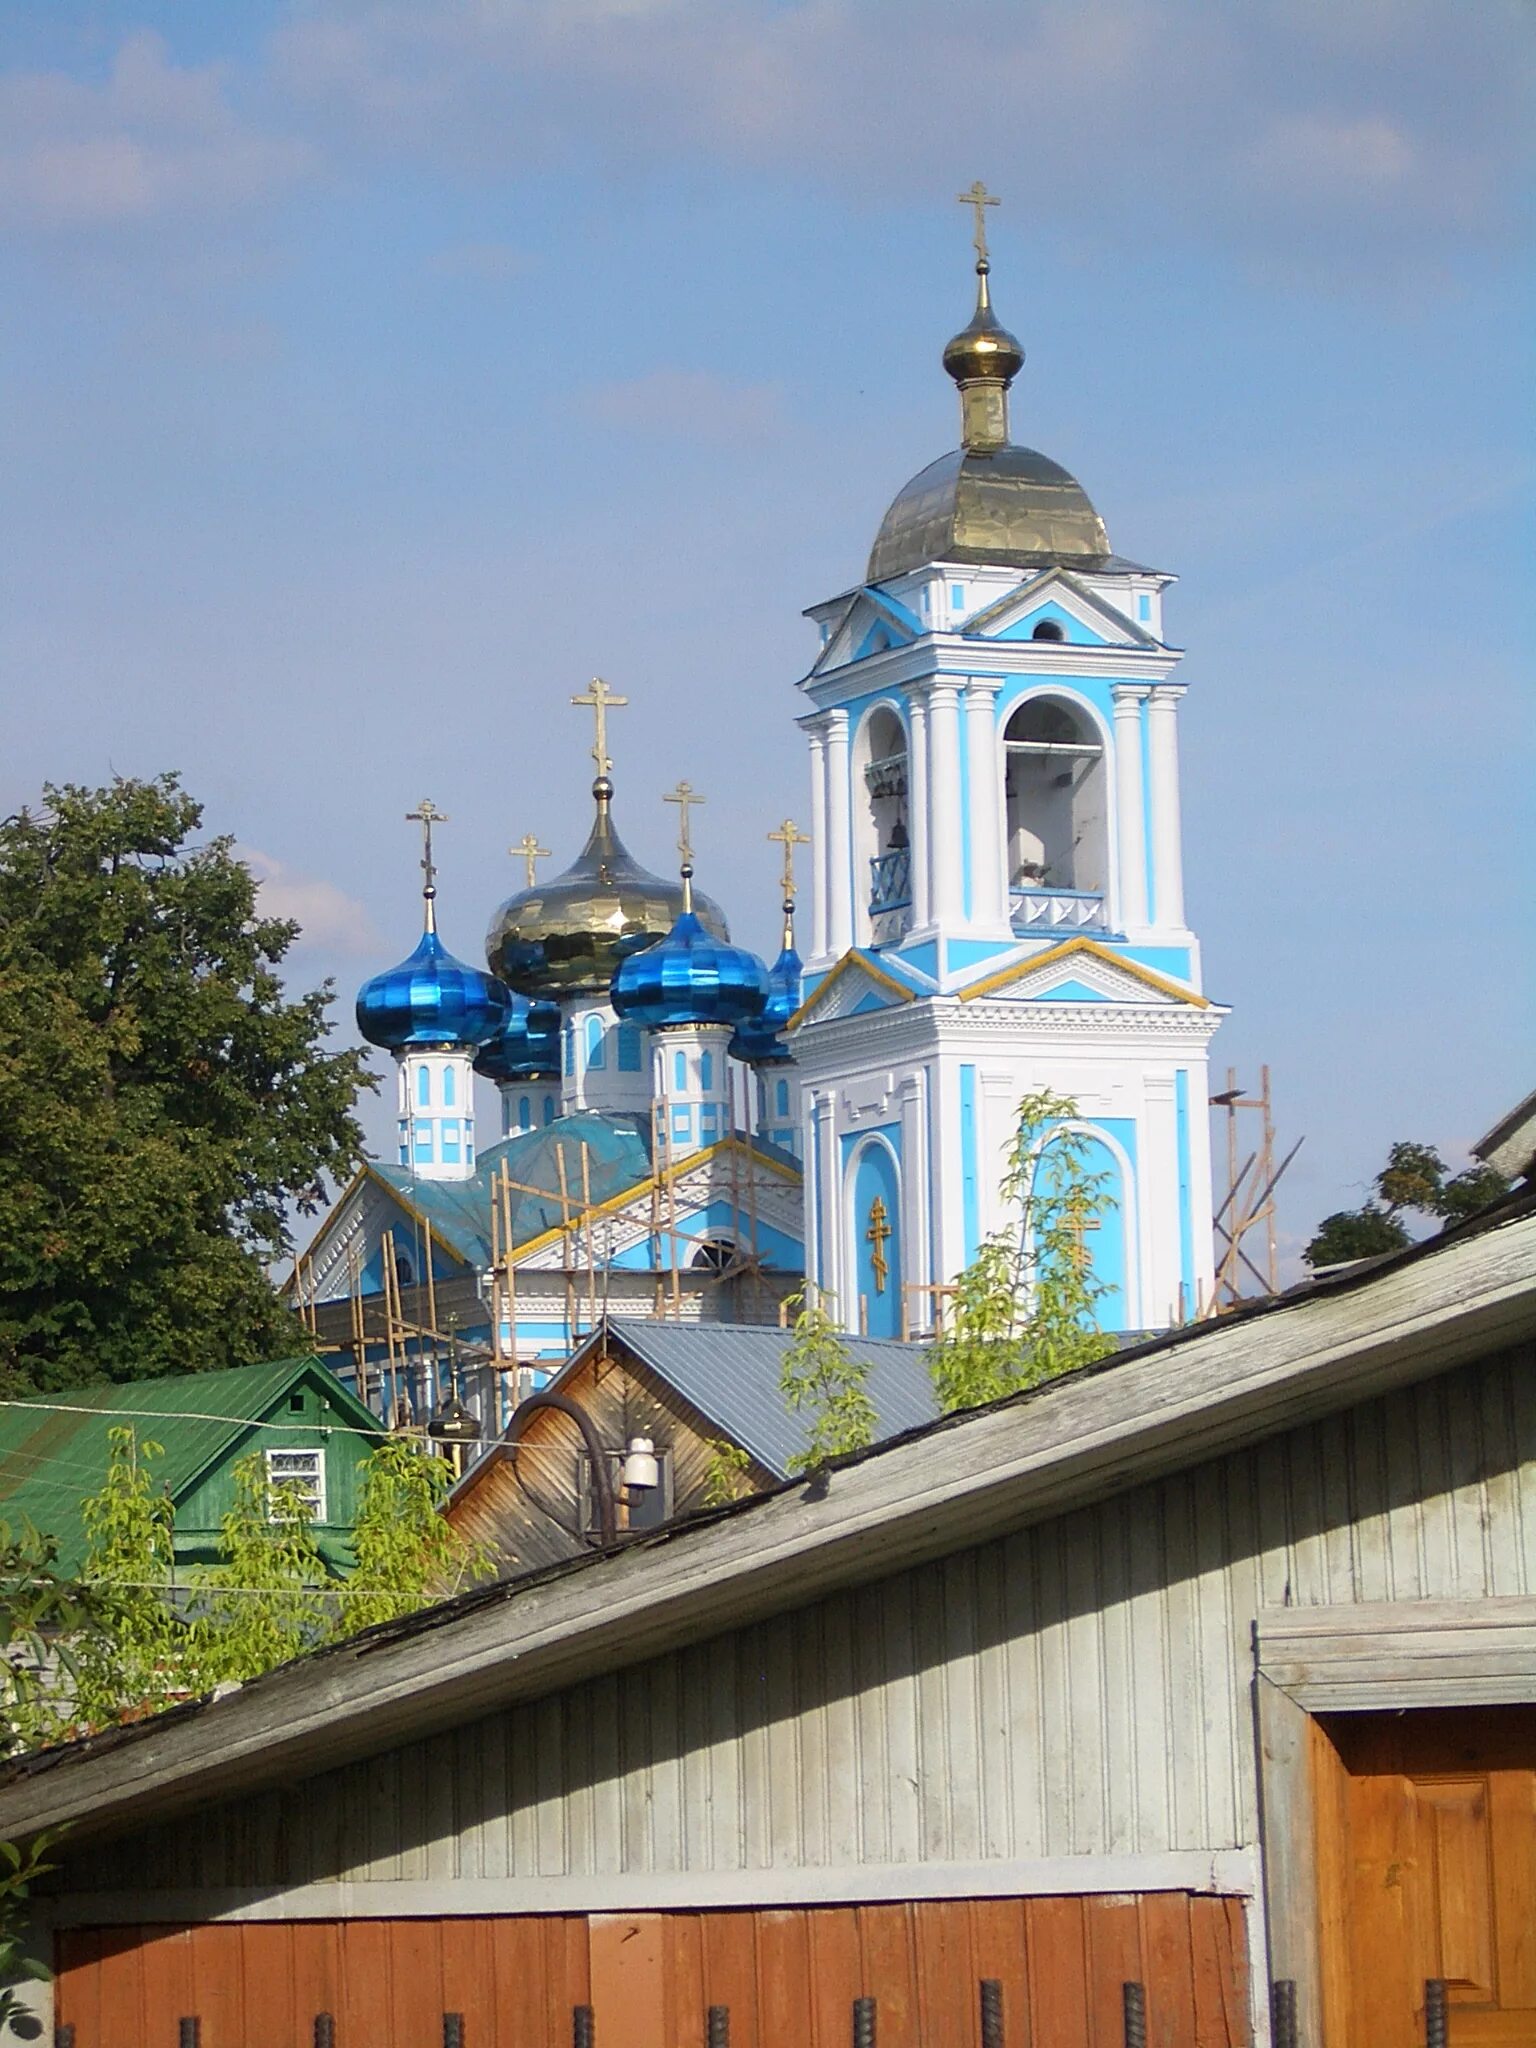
[789, 1978]
[1080, 1689]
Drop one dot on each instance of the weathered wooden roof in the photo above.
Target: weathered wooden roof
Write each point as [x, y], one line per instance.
[1159, 1408]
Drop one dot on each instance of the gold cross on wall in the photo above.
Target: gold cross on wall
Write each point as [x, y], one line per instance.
[685, 797]
[979, 199]
[878, 1232]
[426, 815]
[789, 836]
[528, 846]
[601, 700]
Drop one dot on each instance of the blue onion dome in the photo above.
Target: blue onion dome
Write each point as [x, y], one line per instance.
[690, 976]
[431, 998]
[527, 1047]
[567, 936]
[758, 1039]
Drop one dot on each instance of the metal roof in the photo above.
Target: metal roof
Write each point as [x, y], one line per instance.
[730, 1373]
[52, 1455]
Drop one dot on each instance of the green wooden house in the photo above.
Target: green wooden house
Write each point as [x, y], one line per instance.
[296, 1415]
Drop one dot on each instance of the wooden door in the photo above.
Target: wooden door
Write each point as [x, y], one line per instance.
[1427, 1866]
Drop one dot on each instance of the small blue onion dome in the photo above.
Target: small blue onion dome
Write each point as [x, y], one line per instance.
[690, 977]
[758, 1040]
[527, 1047]
[431, 999]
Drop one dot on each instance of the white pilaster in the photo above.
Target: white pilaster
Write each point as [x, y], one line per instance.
[1130, 809]
[946, 883]
[820, 837]
[839, 832]
[829, 1276]
[915, 1237]
[989, 891]
[918, 824]
[1163, 761]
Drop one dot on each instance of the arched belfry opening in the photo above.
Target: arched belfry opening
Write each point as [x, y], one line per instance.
[883, 824]
[1058, 811]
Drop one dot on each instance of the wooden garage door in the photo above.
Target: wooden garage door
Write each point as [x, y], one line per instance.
[1427, 1864]
[788, 1978]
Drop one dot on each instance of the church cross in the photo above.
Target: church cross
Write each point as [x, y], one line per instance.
[979, 199]
[685, 797]
[601, 701]
[1080, 1220]
[789, 836]
[426, 815]
[877, 1234]
[528, 846]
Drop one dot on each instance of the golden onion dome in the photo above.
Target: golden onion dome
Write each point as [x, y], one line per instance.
[569, 935]
[984, 348]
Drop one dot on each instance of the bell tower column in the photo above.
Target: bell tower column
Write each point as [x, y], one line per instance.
[919, 827]
[1129, 806]
[1163, 762]
[839, 838]
[946, 877]
[984, 824]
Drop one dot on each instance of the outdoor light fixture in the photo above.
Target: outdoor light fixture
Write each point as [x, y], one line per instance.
[641, 1470]
[454, 1423]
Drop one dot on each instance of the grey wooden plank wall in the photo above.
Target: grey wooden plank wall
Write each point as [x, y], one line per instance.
[1079, 1687]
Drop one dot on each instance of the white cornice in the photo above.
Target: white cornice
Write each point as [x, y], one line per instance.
[953, 657]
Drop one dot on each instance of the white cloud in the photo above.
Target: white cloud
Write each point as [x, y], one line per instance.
[328, 918]
[693, 402]
[152, 140]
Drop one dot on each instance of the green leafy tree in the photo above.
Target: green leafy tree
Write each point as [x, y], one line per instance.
[1023, 1310]
[140, 1659]
[821, 1380]
[163, 1101]
[406, 1554]
[265, 1603]
[728, 1475]
[1415, 1182]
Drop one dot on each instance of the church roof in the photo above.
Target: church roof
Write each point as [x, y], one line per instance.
[1011, 506]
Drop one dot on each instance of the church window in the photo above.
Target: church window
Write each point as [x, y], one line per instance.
[781, 1098]
[597, 1048]
[450, 1089]
[524, 1115]
[1048, 629]
[1058, 826]
[1143, 607]
[882, 818]
[706, 1071]
[549, 1109]
[629, 1049]
[569, 1037]
[714, 1255]
[957, 596]
[424, 1087]
[679, 1071]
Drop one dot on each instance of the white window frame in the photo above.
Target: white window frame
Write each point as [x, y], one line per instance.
[311, 1477]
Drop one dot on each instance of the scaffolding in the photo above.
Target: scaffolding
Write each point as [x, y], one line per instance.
[1246, 1238]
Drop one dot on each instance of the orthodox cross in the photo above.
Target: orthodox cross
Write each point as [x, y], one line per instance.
[979, 199]
[528, 846]
[878, 1232]
[426, 815]
[789, 836]
[685, 797]
[1080, 1220]
[601, 701]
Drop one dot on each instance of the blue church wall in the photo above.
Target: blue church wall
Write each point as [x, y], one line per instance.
[1174, 961]
[1107, 1243]
[1072, 992]
[718, 1219]
[1074, 632]
[875, 1178]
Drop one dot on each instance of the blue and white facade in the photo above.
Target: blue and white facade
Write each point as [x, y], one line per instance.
[998, 900]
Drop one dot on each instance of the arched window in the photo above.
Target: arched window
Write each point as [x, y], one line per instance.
[549, 1109]
[629, 1049]
[524, 1113]
[569, 1037]
[781, 1098]
[1058, 825]
[679, 1072]
[1048, 629]
[714, 1256]
[597, 1049]
[450, 1090]
[882, 818]
[423, 1087]
[405, 1272]
[706, 1071]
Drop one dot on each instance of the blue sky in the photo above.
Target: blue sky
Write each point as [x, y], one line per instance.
[375, 373]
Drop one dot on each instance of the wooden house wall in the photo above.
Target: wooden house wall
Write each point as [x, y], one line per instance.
[624, 1401]
[1080, 1688]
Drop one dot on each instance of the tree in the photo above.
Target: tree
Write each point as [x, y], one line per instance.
[822, 1380]
[163, 1101]
[139, 1659]
[1414, 1182]
[1023, 1310]
[405, 1553]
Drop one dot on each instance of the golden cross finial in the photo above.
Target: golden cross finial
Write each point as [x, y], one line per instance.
[601, 701]
[878, 1232]
[426, 815]
[685, 796]
[979, 199]
[789, 836]
[528, 846]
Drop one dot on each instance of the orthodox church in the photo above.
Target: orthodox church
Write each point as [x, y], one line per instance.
[997, 908]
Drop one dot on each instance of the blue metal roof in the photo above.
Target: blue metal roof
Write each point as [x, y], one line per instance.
[730, 1373]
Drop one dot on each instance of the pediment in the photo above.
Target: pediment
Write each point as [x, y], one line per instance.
[855, 987]
[1056, 595]
[872, 622]
[1082, 971]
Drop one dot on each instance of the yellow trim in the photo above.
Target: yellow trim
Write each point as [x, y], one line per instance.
[1068, 947]
[851, 958]
[641, 1188]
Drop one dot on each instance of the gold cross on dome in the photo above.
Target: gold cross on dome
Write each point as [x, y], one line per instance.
[601, 700]
[528, 846]
[685, 796]
[426, 815]
[979, 199]
[878, 1232]
[789, 836]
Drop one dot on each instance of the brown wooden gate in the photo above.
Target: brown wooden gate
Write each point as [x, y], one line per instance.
[789, 1978]
[1427, 1870]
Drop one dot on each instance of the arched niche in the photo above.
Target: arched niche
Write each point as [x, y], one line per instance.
[874, 1230]
[882, 828]
[1056, 781]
